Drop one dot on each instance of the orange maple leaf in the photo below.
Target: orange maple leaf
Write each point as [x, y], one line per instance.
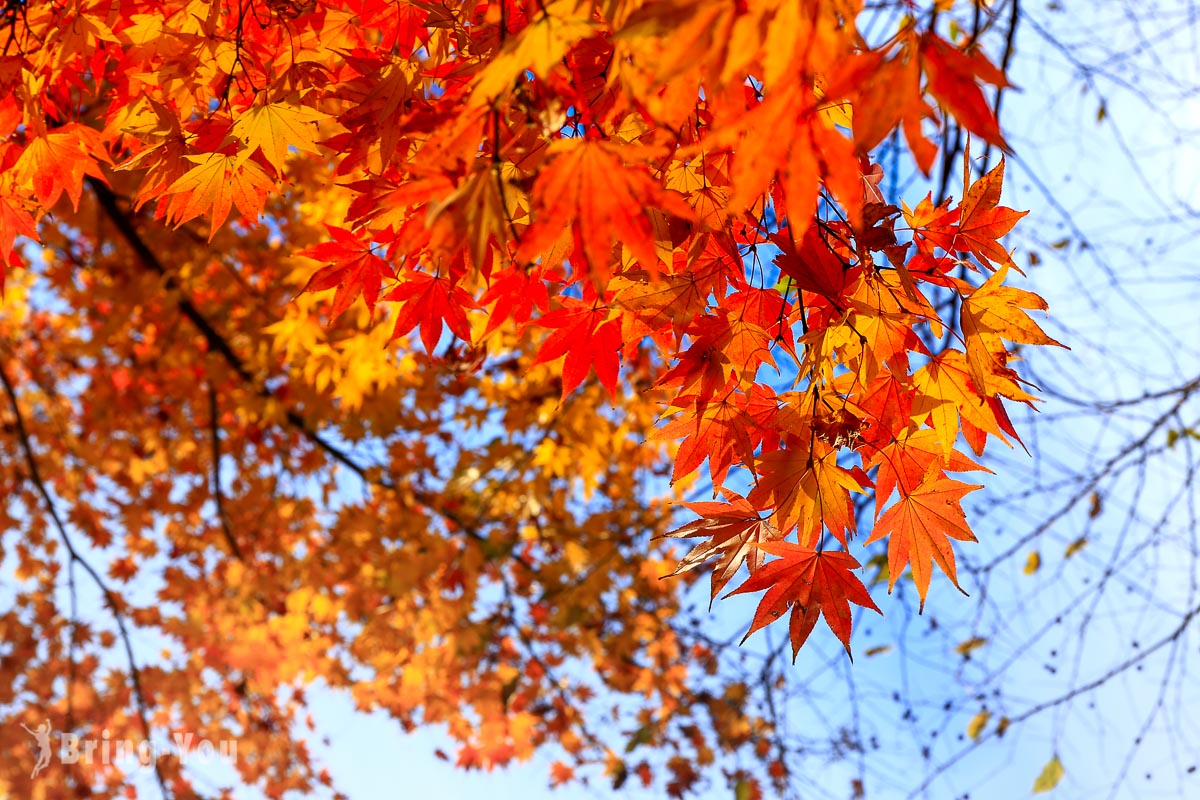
[982, 220]
[718, 428]
[891, 94]
[954, 80]
[216, 184]
[590, 187]
[57, 162]
[808, 489]
[920, 526]
[946, 391]
[994, 312]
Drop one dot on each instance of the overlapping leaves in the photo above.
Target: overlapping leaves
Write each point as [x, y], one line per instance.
[591, 188]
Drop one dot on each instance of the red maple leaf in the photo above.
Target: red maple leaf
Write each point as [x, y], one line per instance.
[812, 583]
[351, 266]
[429, 300]
[588, 339]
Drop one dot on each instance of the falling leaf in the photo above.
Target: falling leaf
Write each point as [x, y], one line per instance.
[978, 723]
[1075, 546]
[1051, 774]
[970, 645]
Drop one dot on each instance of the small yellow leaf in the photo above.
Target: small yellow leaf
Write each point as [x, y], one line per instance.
[978, 723]
[878, 650]
[970, 645]
[1052, 773]
[1075, 546]
[1032, 563]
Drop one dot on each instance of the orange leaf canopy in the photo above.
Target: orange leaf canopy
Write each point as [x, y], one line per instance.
[370, 311]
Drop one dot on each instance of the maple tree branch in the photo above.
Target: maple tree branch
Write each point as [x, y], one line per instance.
[218, 344]
[1010, 40]
[218, 494]
[110, 598]
[1126, 665]
[1105, 469]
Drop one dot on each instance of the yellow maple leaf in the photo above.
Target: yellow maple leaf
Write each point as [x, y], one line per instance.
[217, 183]
[539, 48]
[274, 128]
[994, 312]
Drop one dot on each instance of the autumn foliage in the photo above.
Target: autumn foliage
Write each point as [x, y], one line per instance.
[358, 339]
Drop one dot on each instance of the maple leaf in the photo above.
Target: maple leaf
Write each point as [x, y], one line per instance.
[15, 221]
[890, 94]
[159, 127]
[812, 583]
[539, 47]
[919, 527]
[904, 463]
[886, 405]
[274, 128]
[813, 266]
[589, 187]
[994, 312]
[808, 489]
[514, 295]
[816, 153]
[216, 184]
[933, 226]
[692, 28]
[589, 340]
[674, 299]
[479, 206]
[982, 220]
[734, 532]
[351, 266]
[718, 428]
[953, 77]
[945, 391]
[57, 162]
[429, 300]
[704, 367]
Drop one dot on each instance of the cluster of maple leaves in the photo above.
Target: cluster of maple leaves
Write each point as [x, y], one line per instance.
[606, 173]
[675, 196]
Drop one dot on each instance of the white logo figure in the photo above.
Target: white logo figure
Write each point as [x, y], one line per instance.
[42, 734]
